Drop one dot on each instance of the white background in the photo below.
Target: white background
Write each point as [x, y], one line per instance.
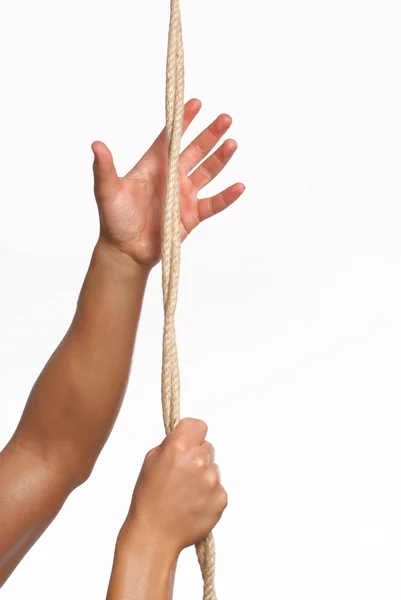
[289, 316]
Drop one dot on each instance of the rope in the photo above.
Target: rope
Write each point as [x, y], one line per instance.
[171, 247]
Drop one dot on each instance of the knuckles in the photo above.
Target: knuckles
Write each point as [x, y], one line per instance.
[177, 444]
[223, 500]
[209, 451]
[198, 461]
[212, 477]
[190, 426]
[151, 452]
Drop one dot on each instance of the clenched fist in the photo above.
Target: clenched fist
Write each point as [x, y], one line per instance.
[178, 498]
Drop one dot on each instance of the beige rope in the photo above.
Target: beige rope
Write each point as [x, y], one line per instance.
[171, 247]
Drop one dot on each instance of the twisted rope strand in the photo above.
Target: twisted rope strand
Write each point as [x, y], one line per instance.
[171, 247]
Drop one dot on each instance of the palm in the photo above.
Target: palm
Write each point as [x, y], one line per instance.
[131, 217]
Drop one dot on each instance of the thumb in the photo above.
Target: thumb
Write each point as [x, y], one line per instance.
[107, 182]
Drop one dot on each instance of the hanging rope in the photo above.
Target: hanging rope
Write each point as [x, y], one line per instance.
[171, 247]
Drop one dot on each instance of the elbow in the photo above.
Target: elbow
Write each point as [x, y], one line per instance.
[74, 466]
[69, 464]
[80, 471]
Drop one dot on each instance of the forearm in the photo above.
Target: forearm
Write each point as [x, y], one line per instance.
[143, 569]
[32, 492]
[72, 406]
[74, 402]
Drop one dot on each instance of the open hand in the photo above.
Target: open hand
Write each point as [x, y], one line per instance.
[131, 207]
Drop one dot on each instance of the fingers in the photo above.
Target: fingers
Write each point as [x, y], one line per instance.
[207, 207]
[187, 446]
[220, 497]
[151, 452]
[205, 454]
[221, 500]
[107, 182]
[213, 476]
[151, 157]
[187, 433]
[212, 166]
[204, 143]
[191, 110]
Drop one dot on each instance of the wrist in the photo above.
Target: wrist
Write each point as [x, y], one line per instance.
[134, 536]
[119, 259]
[142, 569]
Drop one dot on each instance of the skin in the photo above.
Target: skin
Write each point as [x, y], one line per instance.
[74, 403]
[177, 501]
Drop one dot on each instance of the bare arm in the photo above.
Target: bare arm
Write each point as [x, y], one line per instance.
[177, 501]
[72, 406]
[75, 401]
[142, 570]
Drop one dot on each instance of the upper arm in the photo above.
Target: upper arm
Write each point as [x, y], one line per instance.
[32, 491]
